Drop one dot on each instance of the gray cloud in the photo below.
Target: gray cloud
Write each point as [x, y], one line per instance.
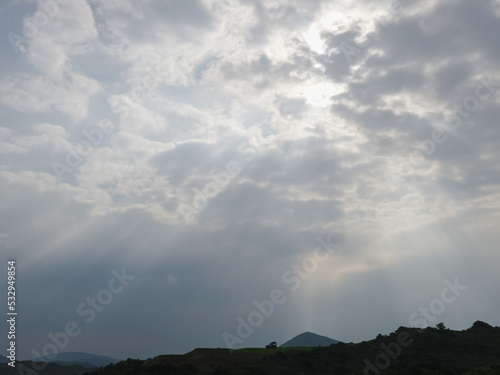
[315, 133]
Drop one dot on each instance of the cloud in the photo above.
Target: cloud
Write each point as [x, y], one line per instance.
[48, 135]
[315, 107]
[49, 48]
[38, 94]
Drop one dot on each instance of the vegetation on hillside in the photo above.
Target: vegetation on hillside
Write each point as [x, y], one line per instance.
[407, 351]
[26, 368]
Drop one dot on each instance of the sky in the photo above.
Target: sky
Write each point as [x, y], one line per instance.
[180, 174]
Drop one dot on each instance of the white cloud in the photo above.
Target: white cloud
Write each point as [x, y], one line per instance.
[52, 45]
[50, 136]
[27, 93]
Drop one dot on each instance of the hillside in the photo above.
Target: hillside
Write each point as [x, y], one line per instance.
[407, 351]
[80, 359]
[25, 368]
[309, 339]
[69, 363]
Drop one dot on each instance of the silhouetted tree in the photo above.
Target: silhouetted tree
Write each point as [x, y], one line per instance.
[441, 326]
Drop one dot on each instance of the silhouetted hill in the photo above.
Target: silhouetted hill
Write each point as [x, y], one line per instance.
[26, 368]
[80, 359]
[309, 339]
[406, 351]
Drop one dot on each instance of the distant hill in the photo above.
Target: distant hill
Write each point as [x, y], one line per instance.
[26, 368]
[309, 339]
[81, 359]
